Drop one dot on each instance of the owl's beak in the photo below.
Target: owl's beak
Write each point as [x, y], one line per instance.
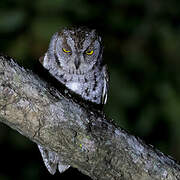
[77, 63]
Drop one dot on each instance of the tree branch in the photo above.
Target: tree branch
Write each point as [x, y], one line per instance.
[83, 136]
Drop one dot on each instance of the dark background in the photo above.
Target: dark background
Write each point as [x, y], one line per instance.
[142, 50]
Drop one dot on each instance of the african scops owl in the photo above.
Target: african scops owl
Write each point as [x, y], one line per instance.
[74, 58]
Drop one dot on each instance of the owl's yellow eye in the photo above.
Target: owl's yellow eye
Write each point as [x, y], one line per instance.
[65, 50]
[89, 52]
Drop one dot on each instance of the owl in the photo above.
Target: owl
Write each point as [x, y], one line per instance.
[74, 58]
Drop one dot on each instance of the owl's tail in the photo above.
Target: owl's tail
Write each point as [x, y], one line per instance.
[52, 161]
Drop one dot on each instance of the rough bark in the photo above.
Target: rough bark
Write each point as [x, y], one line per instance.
[83, 136]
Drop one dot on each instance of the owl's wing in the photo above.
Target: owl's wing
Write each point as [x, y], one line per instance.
[105, 85]
[44, 60]
[51, 161]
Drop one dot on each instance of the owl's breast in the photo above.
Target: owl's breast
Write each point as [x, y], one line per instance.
[89, 87]
[74, 86]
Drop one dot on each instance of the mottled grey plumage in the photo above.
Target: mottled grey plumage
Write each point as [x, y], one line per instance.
[74, 58]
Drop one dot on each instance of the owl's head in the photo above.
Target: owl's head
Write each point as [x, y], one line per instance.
[76, 50]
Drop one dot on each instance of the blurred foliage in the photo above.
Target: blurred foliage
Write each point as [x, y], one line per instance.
[142, 50]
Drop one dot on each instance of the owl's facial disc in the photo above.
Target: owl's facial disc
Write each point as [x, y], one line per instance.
[77, 51]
